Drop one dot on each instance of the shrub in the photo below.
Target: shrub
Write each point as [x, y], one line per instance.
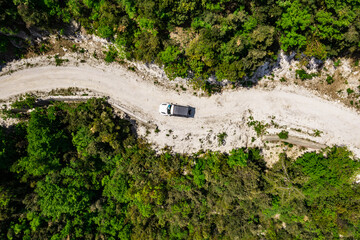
[317, 133]
[27, 103]
[329, 79]
[237, 157]
[259, 127]
[111, 55]
[349, 91]
[59, 61]
[74, 48]
[211, 88]
[301, 73]
[95, 55]
[43, 48]
[283, 134]
[221, 138]
[337, 63]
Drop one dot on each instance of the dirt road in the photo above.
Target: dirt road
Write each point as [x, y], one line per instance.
[290, 108]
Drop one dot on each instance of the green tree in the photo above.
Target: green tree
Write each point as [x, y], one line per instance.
[237, 157]
[46, 144]
[294, 23]
[55, 199]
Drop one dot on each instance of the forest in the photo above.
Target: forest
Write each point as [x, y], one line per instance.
[77, 171]
[228, 39]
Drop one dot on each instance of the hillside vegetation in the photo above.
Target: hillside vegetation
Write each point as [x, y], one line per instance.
[229, 38]
[77, 172]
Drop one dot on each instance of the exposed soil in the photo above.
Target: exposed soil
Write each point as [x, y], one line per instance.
[294, 109]
[340, 78]
[300, 107]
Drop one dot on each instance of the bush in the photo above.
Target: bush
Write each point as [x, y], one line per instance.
[303, 75]
[349, 91]
[337, 63]
[283, 134]
[211, 88]
[282, 79]
[330, 79]
[43, 48]
[259, 127]
[26, 103]
[221, 138]
[111, 55]
[237, 157]
[59, 61]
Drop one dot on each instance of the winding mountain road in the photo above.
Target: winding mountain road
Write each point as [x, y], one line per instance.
[289, 107]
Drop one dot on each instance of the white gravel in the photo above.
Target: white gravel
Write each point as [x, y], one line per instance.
[290, 107]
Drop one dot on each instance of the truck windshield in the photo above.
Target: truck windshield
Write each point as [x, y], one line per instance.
[168, 109]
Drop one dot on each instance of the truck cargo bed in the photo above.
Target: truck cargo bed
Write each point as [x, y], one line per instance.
[181, 111]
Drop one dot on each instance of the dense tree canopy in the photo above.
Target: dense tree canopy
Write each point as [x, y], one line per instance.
[76, 172]
[228, 38]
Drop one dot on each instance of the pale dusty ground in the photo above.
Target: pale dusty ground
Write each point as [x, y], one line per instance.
[289, 108]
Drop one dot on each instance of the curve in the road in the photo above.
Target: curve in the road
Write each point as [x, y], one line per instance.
[294, 108]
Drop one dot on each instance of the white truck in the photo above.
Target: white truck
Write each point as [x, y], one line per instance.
[169, 109]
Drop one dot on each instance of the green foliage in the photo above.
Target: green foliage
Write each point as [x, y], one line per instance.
[328, 174]
[43, 48]
[59, 61]
[316, 49]
[317, 133]
[28, 102]
[12, 144]
[82, 175]
[111, 55]
[199, 177]
[174, 65]
[227, 38]
[221, 138]
[157, 130]
[259, 127]
[113, 226]
[82, 140]
[237, 157]
[330, 79]
[303, 75]
[349, 91]
[116, 186]
[211, 88]
[55, 200]
[170, 54]
[146, 47]
[337, 63]
[283, 134]
[294, 22]
[45, 144]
